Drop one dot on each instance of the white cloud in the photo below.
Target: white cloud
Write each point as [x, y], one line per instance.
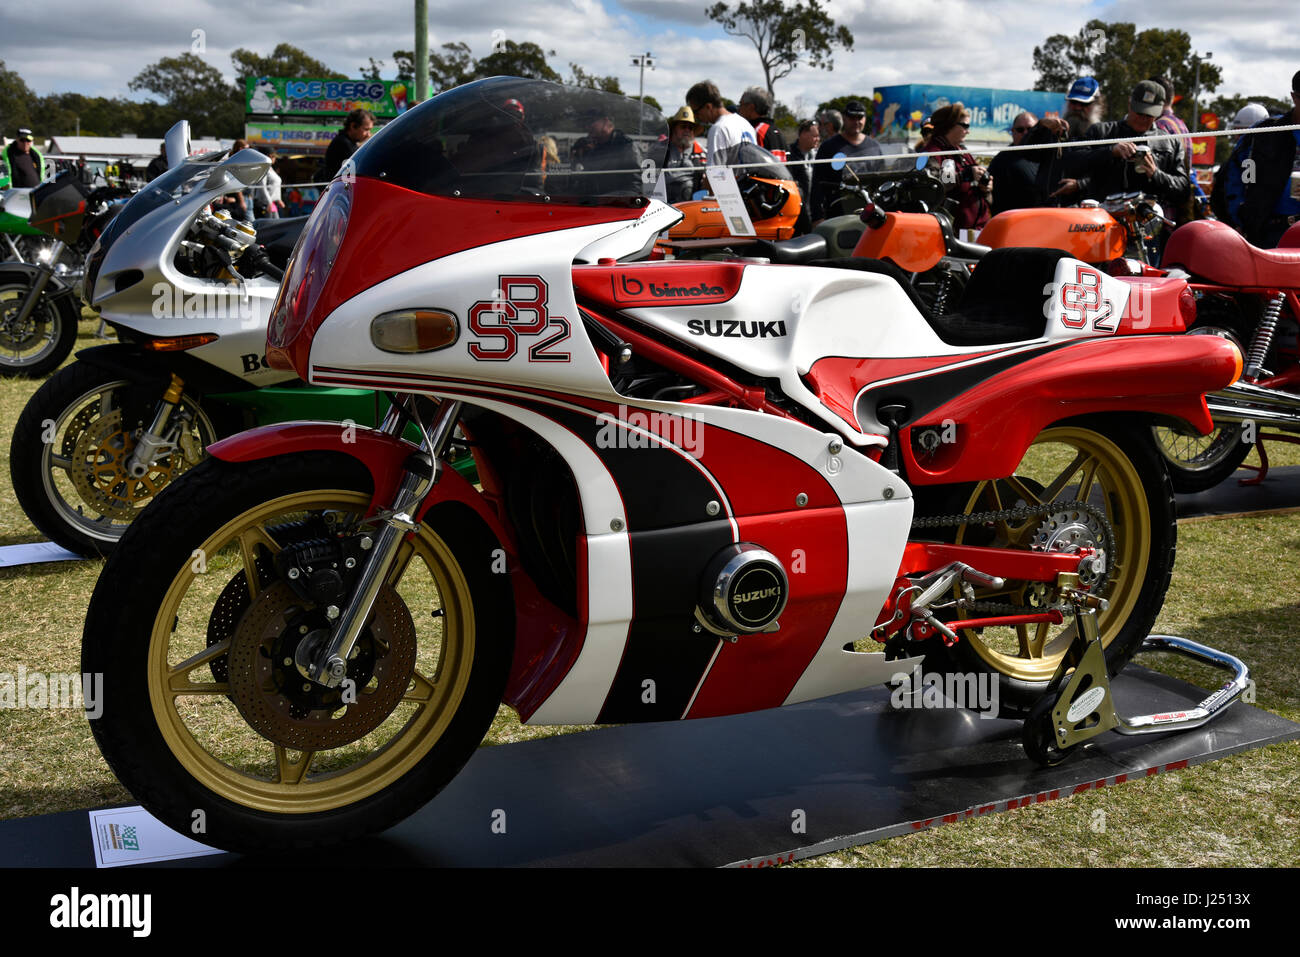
[97, 51]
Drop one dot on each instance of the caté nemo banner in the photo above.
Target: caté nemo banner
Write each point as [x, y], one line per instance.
[317, 97]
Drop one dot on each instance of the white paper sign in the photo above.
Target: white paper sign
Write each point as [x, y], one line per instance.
[33, 553]
[723, 183]
[131, 835]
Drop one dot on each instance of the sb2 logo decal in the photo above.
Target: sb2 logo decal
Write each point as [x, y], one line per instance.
[1082, 303]
[519, 312]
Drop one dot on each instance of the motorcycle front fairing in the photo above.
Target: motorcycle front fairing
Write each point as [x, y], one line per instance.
[132, 277]
[663, 486]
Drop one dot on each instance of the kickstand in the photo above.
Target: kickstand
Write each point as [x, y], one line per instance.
[1078, 704]
[1261, 470]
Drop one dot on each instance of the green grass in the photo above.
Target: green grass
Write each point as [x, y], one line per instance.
[1235, 588]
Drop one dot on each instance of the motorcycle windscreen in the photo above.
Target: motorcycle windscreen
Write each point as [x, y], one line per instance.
[161, 191]
[520, 140]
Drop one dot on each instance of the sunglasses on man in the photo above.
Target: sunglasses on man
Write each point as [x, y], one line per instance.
[1019, 129]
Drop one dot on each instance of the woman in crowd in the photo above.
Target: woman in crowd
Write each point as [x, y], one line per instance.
[967, 182]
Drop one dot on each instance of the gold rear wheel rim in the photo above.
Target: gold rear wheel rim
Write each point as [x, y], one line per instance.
[1092, 467]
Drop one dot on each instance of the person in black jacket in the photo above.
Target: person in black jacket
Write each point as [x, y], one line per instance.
[356, 130]
[1271, 203]
[1125, 167]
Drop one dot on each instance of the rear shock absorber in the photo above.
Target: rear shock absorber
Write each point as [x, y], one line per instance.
[1263, 340]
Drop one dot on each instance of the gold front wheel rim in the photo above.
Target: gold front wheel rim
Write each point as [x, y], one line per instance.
[1073, 463]
[266, 776]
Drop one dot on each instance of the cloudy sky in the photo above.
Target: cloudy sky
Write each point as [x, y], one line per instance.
[96, 48]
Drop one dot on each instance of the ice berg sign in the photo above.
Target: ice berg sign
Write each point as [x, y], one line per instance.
[321, 97]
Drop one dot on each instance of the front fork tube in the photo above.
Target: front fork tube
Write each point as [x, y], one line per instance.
[37, 288]
[151, 442]
[329, 667]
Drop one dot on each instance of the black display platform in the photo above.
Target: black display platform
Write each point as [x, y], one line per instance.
[1279, 492]
[727, 790]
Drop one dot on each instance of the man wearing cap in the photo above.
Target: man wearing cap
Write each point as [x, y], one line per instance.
[1272, 201]
[1082, 106]
[683, 158]
[26, 167]
[849, 143]
[1123, 167]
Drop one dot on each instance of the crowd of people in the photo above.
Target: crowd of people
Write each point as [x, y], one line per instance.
[1063, 171]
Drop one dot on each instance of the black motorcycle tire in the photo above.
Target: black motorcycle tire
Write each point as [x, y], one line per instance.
[125, 618]
[30, 454]
[1132, 437]
[1226, 449]
[62, 314]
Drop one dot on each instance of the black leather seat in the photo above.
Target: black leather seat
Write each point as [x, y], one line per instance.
[1003, 302]
[278, 237]
[795, 251]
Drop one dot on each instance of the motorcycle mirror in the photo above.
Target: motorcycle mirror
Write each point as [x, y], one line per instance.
[178, 144]
[248, 166]
[921, 163]
[838, 161]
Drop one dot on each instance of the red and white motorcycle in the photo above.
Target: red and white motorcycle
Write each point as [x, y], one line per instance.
[702, 484]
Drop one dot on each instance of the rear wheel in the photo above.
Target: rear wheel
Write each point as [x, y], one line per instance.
[1198, 462]
[39, 344]
[198, 638]
[1113, 467]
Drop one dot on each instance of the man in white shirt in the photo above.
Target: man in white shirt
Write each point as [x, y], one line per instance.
[726, 129]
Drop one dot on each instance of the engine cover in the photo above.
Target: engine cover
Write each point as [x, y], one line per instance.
[744, 589]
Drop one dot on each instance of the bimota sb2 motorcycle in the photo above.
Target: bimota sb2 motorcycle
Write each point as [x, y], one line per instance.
[702, 483]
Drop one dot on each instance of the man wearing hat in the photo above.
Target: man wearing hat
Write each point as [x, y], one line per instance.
[1082, 106]
[851, 142]
[1272, 201]
[1126, 167]
[26, 167]
[683, 158]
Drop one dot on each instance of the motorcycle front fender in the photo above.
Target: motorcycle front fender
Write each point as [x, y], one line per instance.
[381, 454]
[56, 288]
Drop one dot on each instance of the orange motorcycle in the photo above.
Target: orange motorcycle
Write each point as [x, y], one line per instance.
[771, 198]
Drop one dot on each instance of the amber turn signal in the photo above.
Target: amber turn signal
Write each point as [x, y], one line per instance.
[180, 343]
[414, 330]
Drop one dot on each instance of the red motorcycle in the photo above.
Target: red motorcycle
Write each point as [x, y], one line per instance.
[702, 483]
[1249, 296]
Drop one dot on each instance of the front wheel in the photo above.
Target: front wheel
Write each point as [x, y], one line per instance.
[39, 344]
[1112, 465]
[198, 637]
[70, 457]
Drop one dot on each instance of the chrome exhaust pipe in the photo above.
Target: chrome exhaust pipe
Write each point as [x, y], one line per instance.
[1244, 402]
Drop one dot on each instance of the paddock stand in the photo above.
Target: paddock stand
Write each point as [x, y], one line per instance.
[1078, 704]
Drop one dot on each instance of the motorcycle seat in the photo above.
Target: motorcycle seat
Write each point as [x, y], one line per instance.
[1214, 252]
[1002, 303]
[17, 202]
[794, 251]
[278, 237]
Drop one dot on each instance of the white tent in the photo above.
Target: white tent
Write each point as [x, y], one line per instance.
[113, 148]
